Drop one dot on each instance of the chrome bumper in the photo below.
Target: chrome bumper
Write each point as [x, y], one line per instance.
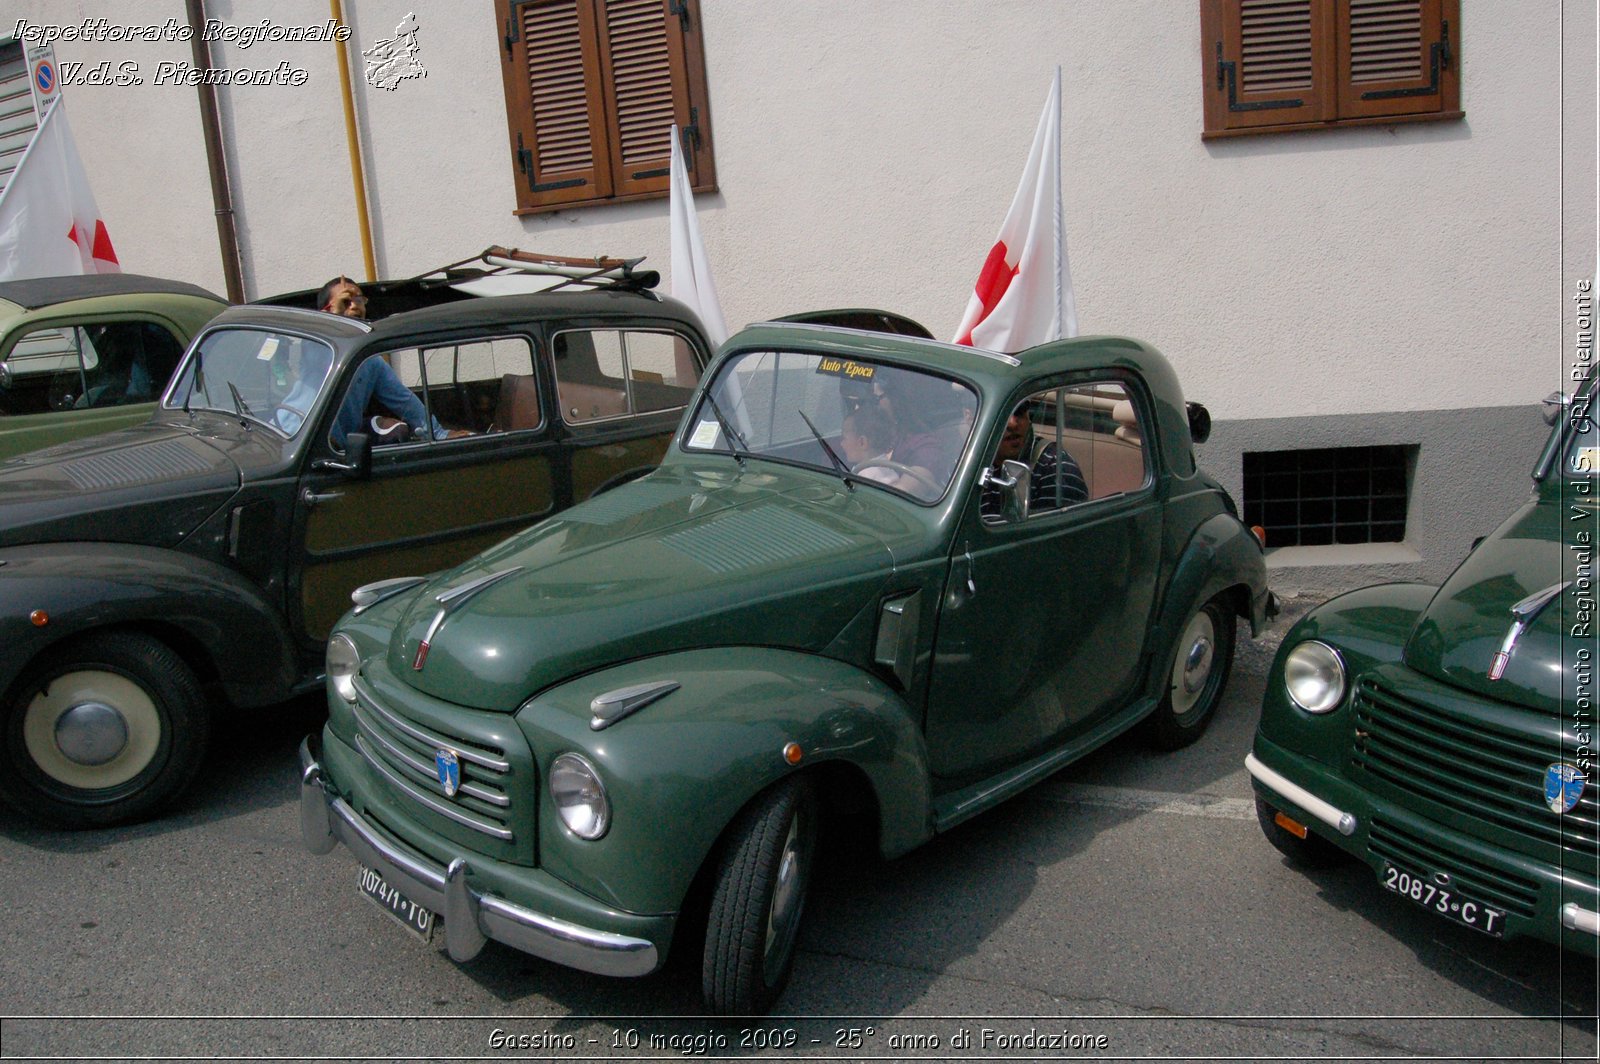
[470, 918]
[1337, 819]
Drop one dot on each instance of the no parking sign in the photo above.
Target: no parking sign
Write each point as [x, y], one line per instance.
[44, 77]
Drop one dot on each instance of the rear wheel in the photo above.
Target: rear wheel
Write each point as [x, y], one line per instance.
[1195, 679]
[103, 730]
[758, 899]
[1313, 851]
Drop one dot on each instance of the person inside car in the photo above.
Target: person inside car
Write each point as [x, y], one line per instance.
[1051, 467]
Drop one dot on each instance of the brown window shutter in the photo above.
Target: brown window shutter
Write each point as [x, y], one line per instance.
[1397, 57]
[554, 104]
[592, 90]
[1267, 62]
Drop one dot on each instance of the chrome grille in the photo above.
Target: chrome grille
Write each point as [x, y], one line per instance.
[402, 751]
[1476, 880]
[1472, 766]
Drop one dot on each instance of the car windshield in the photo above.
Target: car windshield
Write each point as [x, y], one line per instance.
[270, 377]
[871, 422]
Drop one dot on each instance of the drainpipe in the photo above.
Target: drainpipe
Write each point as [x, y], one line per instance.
[216, 161]
[357, 173]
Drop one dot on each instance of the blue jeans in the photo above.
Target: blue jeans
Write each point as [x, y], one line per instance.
[377, 378]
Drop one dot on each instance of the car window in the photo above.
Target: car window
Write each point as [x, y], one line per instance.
[899, 428]
[271, 377]
[1080, 443]
[78, 367]
[606, 373]
[479, 386]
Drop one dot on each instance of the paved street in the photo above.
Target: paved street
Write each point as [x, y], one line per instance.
[1127, 908]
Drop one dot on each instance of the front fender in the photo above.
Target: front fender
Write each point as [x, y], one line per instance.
[678, 770]
[81, 587]
[1368, 628]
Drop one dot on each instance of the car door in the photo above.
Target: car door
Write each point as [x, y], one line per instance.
[620, 391]
[66, 378]
[1041, 637]
[428, 503]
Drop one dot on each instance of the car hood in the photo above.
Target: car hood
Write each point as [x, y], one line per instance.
[675, 561]
[152, 483]
[1467, 622]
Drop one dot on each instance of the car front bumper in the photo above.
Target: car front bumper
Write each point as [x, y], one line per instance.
[1564, 906]
[470, 918]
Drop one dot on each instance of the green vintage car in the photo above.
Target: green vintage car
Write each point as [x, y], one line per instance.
[88, 354]
[1445, 735]
[645, 713]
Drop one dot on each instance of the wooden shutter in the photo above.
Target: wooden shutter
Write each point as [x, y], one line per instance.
[1267, 62]
[592, 90]
[1396, 57]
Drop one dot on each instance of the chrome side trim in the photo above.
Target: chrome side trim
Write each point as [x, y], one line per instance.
[368, 595]
[417, 794]
[612, 706]
[1342, 822]
[470, 918]
[1576, 918]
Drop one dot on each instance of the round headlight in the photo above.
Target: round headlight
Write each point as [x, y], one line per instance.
[343, 662]
[1314, 676]
[580, 797]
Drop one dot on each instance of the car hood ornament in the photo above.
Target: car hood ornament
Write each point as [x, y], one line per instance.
[1523, 615]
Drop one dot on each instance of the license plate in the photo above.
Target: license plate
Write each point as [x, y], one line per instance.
[1443, 901]
[412, 917]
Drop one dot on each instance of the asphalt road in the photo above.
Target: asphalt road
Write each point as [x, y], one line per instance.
[1127, 908]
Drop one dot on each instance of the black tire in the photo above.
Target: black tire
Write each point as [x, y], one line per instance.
[1195, 679]
[1313, 851]
[758, 899]
[141, 736]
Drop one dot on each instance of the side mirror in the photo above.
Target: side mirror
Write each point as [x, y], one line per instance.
[1199, 423]
[358, 458]
[1013, 480]
[1552, 406]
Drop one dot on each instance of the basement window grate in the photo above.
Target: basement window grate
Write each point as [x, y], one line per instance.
[1329, 495]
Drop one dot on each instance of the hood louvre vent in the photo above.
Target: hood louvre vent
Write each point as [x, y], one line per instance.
[745, 539]
[134, 465]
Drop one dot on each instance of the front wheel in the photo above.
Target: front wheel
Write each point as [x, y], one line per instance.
[1195, 680]
[103, 730]
[758, 899]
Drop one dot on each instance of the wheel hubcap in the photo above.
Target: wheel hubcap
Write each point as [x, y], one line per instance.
[787, 893]
[1192, 669]
[91, 729]
[91, 733]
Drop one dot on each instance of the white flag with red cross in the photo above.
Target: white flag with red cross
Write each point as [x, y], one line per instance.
[1023, 296]
[49, 223]
[691, 269]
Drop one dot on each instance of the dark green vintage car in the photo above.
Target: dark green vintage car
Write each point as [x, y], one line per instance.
[88, 354]
[1445, 735]
[196, 562]
[644, 713]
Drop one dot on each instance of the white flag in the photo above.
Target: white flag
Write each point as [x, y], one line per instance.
[49, 224]
[691, 271]
[1023, 295]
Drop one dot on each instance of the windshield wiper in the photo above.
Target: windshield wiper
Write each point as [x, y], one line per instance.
[838, 464]
[240, 407]
[727, 429]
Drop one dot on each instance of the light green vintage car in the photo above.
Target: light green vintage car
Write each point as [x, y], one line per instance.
[878, 585]
[84, 355]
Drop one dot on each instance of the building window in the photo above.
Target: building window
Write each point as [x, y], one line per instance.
[1280, 65]
[1332, 495]
[593, 88]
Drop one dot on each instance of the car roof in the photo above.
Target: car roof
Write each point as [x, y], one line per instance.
[35, 292]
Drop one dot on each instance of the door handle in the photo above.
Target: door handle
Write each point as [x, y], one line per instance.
[311, 498]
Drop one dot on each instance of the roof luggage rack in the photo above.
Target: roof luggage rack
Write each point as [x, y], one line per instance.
[497, 261]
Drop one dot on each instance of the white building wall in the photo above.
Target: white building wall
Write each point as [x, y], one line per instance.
[866, 151]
